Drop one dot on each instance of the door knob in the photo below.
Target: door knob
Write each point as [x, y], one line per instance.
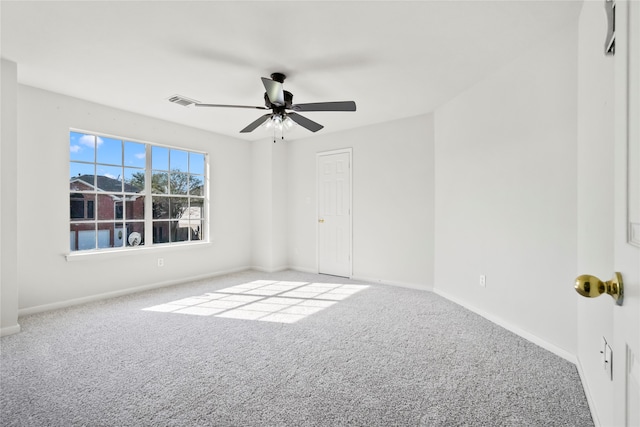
[591, 287]
[321, 220]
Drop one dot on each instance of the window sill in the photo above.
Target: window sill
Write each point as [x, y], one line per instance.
[117, 253]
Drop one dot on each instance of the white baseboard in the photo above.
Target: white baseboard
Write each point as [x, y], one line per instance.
[587, 392]
[269, 270]
[304, 269]
[410, 285]
[106, 295]
[511, 327]
[9, 330]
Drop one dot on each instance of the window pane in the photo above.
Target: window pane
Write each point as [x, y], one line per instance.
[160, 182]
[196, 185]
[160, 158]
[179, 182]
[196, 210]
[118, 210]
[109, 178]
[134, 154]
[106, 237]
[189, 220]
[81, 206]
[179, 233]
[135, 235]
[179, 160]
[160, 207]
[133, 180]
[196, 163]
[160, 231]
[106, 206]
[76, 206]
[135, 207]
[81, 176]
[196, 230]
[179, 207]
[82, 147]
[119, 235]
[85, 236]
[109, 151]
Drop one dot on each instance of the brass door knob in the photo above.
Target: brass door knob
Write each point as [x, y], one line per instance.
[321, 220]
[591, 287]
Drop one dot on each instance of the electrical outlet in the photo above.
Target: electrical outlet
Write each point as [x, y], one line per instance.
[483, 280]
[160, 262]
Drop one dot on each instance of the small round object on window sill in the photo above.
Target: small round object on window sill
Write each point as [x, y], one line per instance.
[134, 238]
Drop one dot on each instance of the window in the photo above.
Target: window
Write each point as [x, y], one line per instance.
[127, 193]
[177, 187]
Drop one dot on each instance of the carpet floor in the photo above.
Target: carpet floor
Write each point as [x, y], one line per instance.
[280, 349]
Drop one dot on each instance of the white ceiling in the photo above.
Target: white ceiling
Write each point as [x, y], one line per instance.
[394, 58]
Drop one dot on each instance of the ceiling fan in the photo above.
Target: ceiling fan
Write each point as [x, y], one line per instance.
[283, 110]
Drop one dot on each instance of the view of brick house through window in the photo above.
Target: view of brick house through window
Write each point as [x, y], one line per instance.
[125, 193]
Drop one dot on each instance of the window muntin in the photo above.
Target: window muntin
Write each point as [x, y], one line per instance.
[111, 180]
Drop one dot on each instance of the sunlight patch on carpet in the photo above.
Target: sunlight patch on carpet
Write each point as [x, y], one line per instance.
[263, 300]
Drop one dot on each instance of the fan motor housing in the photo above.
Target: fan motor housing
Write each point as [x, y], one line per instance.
[278, 77]
[288, 101]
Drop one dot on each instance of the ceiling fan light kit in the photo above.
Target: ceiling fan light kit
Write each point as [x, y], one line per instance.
[283, 111]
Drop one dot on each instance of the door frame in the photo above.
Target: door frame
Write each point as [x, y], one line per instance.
[626, 371]
[320, 154]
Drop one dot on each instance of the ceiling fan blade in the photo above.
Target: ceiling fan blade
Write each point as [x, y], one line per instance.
[256, 123]
[231, 106]
[326, 106]
[274, 91]
[304, 122]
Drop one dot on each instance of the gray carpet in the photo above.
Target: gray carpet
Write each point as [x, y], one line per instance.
[376, 356]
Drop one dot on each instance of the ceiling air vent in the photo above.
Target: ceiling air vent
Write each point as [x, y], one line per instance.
[182, 100]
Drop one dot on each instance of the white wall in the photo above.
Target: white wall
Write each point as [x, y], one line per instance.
[595, 202]
[392, 200]
[268, 210]
[505, 194]
[8, 198]
[280, 216]
[45, 277]
[262, 204]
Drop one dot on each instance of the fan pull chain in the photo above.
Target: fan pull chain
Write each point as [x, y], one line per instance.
[281, 135]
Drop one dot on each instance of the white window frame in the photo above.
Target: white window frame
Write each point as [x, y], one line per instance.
[148, 204]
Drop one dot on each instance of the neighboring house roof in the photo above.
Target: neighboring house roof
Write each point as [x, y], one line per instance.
[105, 183]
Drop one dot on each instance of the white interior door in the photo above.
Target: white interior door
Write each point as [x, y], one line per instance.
[334, 212]
[626, 318]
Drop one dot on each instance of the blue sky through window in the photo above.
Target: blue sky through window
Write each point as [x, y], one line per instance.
[120, 159]
[110, 152]
[77, 169]
[179, 160]
[82, 147]
[160, 158]
[196, 163]
[134, 154]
